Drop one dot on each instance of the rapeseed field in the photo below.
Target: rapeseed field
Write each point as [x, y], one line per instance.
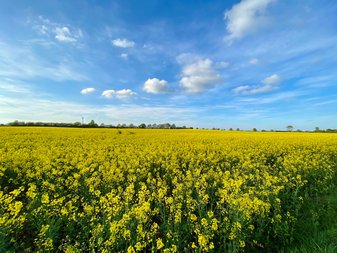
[136, 190]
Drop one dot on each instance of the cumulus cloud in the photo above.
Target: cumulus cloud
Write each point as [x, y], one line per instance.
[123, 43]
[120, 94]
[199, 76]
[156, 86]
[246, 17]
[88, 91]
[270, 83]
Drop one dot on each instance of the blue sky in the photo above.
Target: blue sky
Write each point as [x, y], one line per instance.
[239, 64]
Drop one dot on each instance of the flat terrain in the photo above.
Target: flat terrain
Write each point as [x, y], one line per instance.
[109, 190]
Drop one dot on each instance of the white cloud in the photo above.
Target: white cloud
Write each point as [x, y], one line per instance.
[271, 80]
[41, 25]
[199, 76]
[124, 56]
[124, 43]
[270, 83]
[120, 94]
[63, 34]
[108, 93]
[88, 91]
[241, 89]
[42, 29]
[245, 17]
[261, 89]
[254, 61]
[156, 86]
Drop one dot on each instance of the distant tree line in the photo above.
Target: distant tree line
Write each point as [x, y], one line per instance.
[317, 130]
[93, 124]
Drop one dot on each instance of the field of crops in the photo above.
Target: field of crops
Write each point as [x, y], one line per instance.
[109, 190]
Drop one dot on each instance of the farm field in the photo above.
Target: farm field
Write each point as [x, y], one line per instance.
[129, 190]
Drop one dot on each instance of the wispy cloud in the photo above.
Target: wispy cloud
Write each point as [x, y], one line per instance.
[318, 81]
[13, 86]
[222, 65]
[37, 109]
[187, 58]
[63, 34]
[271, 99]
[269, 84]
[245, 18]
[271, 80]
[123, 43]
[60, 32]
[254, 61]
[19, 62]
[327, 102]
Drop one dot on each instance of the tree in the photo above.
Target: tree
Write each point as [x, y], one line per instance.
[142, 125]
[92, 124]
[290, 128]
[77, 124]
[254, 129]
[317, 129]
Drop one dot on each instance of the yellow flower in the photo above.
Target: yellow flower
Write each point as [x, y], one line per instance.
[193, 217]
[131, 250]
[204, 222]
[214, 224]
[159, 243]
[45, 198]
[210, 214]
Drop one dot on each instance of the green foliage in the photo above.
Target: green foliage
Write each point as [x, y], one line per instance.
[92, 190]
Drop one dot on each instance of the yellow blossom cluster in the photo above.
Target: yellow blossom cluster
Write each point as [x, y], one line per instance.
[104, 190]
